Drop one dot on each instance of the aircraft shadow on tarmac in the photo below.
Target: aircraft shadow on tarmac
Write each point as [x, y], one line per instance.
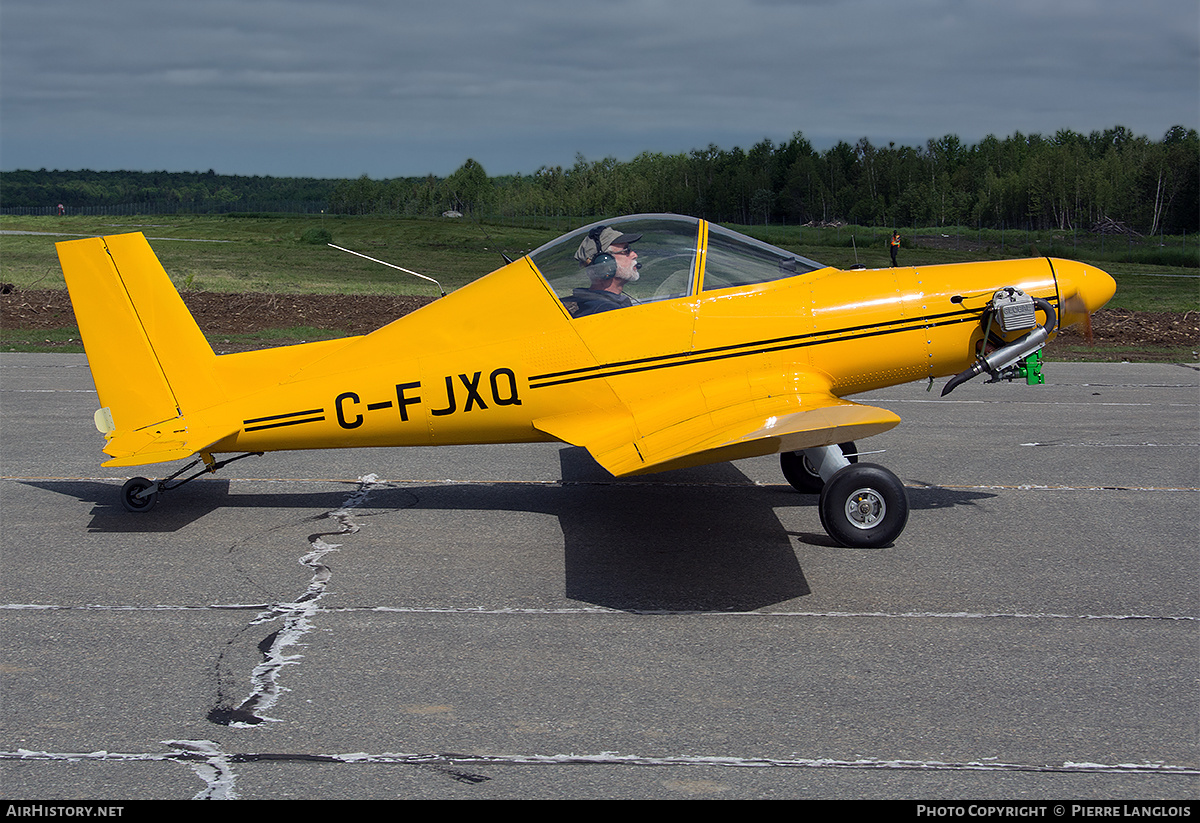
[702, 539]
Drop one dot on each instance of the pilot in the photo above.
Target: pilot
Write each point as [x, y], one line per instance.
[609, 262]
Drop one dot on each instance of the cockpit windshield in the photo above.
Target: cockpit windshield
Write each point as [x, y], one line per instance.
[645, 258]
[737, 260]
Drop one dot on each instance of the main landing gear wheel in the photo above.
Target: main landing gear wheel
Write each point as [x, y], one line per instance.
[136, 498]
[799, 472]
[864, 506]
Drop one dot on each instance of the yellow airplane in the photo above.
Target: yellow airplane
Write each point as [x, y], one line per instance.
[653, 341]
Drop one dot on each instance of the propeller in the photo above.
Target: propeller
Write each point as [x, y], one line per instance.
[1074, 304]
[1082, 290]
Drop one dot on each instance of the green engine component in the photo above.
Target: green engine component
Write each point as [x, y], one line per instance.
[1030, 368]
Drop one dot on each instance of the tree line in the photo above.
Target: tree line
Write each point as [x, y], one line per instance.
[195, 191]
[1067, 181]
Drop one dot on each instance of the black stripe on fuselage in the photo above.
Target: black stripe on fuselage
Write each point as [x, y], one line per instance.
[799, 341]
[276, 421]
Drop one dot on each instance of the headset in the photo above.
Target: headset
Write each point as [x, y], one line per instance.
[603, 265]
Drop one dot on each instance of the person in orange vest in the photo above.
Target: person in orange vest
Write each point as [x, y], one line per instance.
[895, 245]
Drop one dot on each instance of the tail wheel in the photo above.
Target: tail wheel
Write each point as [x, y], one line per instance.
[864, 506]
[135, 496]
[799, 472]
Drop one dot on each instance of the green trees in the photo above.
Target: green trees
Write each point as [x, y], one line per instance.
[468, 189]
[181, 191]
[1067, 182]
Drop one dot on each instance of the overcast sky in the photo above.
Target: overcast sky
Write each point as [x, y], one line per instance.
[316, 88]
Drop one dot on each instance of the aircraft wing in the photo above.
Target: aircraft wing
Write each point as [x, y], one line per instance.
[721, 420]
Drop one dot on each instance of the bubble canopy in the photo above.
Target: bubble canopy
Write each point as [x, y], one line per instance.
[676, 256]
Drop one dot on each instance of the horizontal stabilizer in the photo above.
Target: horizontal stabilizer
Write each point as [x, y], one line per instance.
[171, 440]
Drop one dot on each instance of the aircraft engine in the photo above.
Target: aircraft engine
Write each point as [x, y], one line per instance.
[1011, 310]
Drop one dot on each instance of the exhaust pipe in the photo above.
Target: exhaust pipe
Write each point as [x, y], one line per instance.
[1002, 358]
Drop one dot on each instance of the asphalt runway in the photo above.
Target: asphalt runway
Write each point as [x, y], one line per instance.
[510, 622]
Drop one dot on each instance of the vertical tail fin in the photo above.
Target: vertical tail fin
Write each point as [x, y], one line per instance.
[149, 359]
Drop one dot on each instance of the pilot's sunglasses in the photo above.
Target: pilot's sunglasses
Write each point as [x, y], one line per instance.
[627, 252]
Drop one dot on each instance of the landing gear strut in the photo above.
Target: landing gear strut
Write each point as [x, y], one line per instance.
[803, 470]
[139, 494]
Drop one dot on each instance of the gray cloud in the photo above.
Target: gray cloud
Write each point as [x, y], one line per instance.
[365, 86]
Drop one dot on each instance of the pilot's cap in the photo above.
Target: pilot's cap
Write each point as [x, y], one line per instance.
[609, 236]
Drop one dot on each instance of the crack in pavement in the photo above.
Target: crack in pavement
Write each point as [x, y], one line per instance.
[296, 618]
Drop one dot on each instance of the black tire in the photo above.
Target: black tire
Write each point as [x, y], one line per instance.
[800, 474]
[131, 501]
[864, 506]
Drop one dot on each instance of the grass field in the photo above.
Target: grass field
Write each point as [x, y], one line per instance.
[272, 254]
[269, 254]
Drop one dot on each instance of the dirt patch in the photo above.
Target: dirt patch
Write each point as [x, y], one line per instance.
[1131, 335]
[1126, 334]
[249, 313]
[240, 314]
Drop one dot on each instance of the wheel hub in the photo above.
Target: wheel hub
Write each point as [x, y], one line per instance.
[865, 508]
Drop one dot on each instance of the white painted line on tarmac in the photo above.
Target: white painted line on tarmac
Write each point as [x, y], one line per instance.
[601, 611]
